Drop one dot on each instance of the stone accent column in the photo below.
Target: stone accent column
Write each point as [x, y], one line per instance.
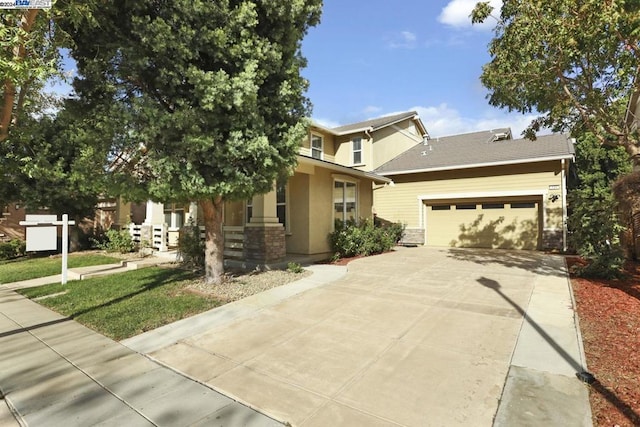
[264, 237]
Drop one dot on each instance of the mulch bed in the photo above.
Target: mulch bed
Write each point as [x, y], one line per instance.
[609, 313]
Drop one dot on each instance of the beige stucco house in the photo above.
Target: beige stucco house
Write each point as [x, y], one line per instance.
[481, 189]
[333, 181]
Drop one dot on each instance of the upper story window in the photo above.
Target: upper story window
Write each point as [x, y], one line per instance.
[356, 149]
[316, 146]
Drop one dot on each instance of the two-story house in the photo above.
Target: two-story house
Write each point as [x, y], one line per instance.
[333, 180]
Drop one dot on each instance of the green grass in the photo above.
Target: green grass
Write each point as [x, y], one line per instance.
[126, 304]
[32, 268]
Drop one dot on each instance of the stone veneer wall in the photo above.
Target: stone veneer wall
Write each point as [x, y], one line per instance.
[552, 239]
[413, 236]
[264, 244]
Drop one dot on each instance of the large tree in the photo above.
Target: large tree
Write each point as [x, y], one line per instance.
[45, 164]
[572, 61]
[201, 100]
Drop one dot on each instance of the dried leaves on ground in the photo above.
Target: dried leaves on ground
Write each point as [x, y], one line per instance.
[609, 312]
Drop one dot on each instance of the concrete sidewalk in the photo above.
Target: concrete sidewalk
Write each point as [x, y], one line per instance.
[54, 371]
[417, 337]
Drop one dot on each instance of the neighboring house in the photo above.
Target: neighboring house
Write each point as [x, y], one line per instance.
[10, 228]
[481, 189]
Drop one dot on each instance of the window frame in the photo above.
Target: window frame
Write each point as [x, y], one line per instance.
[358, 151]
[345, 180]
[313, 149]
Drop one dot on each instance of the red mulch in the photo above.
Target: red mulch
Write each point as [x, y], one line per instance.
[609, 312]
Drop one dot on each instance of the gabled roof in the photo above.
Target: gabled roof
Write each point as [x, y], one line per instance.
[477, 149]
[379, 123]
[378, 179]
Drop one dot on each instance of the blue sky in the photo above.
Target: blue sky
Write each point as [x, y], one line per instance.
[369, 58]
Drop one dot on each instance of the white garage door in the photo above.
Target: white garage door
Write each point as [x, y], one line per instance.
[508, 224]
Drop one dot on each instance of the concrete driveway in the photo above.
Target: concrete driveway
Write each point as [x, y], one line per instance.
[416, 337]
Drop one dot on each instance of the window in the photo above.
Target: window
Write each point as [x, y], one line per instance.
[356, 144]
[522, 205]
[441, 207]
[492, 206]
[316, 146]
[174, 216]
[465, 207]
[345, 198]
[281, 202]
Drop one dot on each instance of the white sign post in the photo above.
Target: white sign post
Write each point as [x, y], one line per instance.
[41, 236]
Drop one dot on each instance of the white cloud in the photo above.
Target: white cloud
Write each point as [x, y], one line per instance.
[327, 123]
[371, 109]
[456, 14]
[442, 120]
[402, 40]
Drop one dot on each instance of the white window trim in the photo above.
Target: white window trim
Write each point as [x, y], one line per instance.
[344, 179]
[354, 151]
[287, 212]
[312, 148]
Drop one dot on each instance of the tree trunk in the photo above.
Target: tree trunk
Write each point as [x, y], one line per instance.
[20, 52]
[214, 240]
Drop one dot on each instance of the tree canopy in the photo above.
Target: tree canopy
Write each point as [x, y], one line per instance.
[200, 100]
[571, 61]
[30, 43]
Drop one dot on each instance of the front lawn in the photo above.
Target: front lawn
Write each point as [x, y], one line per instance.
[126, 304]
[31, 268]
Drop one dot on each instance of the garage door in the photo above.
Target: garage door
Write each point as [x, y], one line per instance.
[508, 224]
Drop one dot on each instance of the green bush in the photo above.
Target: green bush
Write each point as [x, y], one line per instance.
[116, 241]
[12, 249]
[294, 267]
[363, 238]
[190, 246]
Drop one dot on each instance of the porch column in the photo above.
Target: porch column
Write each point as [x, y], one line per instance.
[155, 213]
[264, 236]
[192, 214]
[154, 217]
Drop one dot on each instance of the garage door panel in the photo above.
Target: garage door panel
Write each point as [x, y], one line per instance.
[498, 224]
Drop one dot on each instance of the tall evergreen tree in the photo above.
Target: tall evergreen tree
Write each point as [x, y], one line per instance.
[594, 220]
[201, 100]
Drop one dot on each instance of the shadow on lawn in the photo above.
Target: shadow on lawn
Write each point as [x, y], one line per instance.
[609, 395]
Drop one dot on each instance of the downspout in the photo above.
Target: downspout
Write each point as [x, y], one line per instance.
[564, 206]
[370, 138]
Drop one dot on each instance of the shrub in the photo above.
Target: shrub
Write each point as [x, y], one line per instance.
[363, 238]
[116, 241]
[190, 246]
[12, 249]
[294, 267]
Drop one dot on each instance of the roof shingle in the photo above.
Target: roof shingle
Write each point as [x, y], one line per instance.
[476, 149]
